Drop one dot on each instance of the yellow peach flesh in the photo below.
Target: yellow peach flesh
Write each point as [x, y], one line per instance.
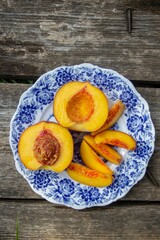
[80, 106]
[92, 160]
[116, 138]
[25, 146]
[104, 150]
[65, 140]
[87, 176]
[34, 156]
[113, 115]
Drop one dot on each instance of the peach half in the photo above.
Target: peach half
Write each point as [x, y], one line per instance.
[88, 176]
[80, 106]
[92, 160]
[47, 145]
[116, 138]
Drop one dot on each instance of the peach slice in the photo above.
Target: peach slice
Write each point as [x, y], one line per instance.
[92, 160]
[114, 114]
[104, 150]
[116, 138]
[46, 145]
[88, 176]
[80, 106]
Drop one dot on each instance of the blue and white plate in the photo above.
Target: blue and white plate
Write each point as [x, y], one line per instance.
[36, 105]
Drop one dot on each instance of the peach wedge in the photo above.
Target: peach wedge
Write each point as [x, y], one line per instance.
[80, 106]
[92, 160]
[88, 176]
[46, 145]
[116, 138]
[114, 114]
[104, 150]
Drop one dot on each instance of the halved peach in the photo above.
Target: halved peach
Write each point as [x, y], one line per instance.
[104, 150]
[80, 106]
[87, 176]
[47, 145]
[113, 115]
[116, 138]
[92, 160]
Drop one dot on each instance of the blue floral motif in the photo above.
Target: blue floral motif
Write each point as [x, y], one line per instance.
[40, 179]
[63, 190]
[44, 91]
[115, 186]
[89, 194]
[119, 87]
[111, 84]
[66, 188]
[44, 96]
[134, 123]
[106, 191]
[129, 98]
[99, 77]
[132, 165]
[85, 194]
[94, 194]
[64, 75]
[27, 113]
[142, 149]
[20, 128]
[139, 124]
[123, 181]
[36, 105]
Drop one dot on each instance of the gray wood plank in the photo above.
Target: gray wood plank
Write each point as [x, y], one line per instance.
[40, 36]
[12, 184]
[40, 220]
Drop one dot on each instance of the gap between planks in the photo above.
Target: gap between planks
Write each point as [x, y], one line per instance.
[33, 79]
[119, 203]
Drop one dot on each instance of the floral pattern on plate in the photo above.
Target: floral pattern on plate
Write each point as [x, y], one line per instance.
[36, 104]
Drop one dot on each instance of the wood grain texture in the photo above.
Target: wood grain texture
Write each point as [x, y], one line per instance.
[13, 184]
[39, 36]
[40, 220]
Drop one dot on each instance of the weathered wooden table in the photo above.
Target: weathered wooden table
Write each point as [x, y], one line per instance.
[37, 36]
